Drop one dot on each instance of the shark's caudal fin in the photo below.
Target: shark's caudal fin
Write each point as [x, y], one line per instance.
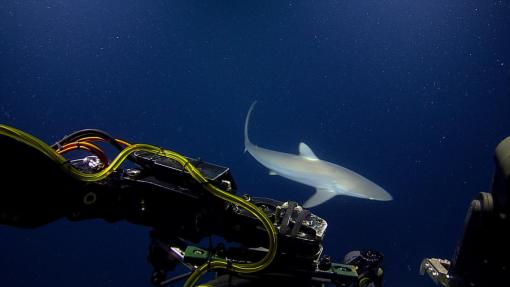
[246, 122]
[321, 195]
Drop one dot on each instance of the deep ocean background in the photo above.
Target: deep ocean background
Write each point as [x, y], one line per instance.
[414, 95]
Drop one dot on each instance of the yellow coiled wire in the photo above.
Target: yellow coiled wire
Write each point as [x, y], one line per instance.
[193, 171]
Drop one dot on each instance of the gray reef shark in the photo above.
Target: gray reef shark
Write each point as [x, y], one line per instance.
[327, 178]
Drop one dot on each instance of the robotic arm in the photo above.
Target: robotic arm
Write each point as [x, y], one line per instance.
[184, 200]
[482, 254]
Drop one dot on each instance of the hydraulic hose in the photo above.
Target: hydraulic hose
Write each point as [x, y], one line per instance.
[192, 170]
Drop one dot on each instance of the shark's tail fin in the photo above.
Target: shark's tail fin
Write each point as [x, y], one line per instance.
[246, 138]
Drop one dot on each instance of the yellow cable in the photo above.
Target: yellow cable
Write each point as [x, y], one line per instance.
[193, 171]
[31, 141]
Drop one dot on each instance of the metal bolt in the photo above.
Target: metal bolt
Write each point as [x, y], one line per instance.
[132, 172]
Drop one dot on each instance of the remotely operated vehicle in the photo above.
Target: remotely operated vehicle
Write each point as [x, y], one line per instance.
[185, 200]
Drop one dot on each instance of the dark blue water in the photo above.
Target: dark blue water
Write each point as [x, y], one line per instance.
[412, 94]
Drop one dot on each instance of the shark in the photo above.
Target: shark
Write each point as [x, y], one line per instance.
[327, 178]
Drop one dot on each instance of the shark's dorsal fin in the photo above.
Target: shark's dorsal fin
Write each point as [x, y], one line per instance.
[306, 152]
[320, 196]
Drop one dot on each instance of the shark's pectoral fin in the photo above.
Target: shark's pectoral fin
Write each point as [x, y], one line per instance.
[272, 172]
[320, 196]
[306, 152]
